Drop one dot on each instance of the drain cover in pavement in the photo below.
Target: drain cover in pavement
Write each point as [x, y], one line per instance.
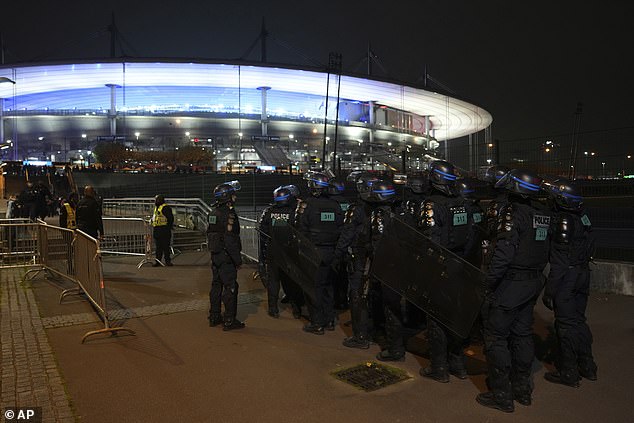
[371, 376]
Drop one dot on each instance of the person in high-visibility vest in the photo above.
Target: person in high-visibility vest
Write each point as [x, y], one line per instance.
[162, 222]
[67, 214]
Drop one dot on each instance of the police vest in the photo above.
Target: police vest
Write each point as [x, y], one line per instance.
[532, 251]
[572, 236]
[454, 231]
[159, 218]
[71, 220]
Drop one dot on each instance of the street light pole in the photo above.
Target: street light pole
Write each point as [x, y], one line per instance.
[603, 164]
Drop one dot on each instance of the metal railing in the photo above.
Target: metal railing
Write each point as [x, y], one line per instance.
[189, 213]
[128, 236]
[89, 276]
[55, 247]
[70, 254]
[18, 243]
[250, 238]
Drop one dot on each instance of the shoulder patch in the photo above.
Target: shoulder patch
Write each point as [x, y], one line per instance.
[585, 220]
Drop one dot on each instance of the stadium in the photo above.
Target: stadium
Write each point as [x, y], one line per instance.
[245, 114]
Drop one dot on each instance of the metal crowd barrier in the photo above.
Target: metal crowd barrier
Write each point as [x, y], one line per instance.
[89, 276]
[18, 243]
[249, 237]
[73, 255]
[128, 236]
[55, 247]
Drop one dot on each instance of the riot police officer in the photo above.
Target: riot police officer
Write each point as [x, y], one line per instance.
[364, 223]
[445, 219]
[280, 213]
[336, 192]
[415, 192]
[320, 218]
[472, 191]
[223, 237]
[498, 199]
[514, 281]
[567, 287]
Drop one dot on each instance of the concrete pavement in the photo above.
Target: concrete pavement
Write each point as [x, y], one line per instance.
[177, 369]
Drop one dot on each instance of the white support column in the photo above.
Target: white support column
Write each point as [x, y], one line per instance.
[112, 113]
[264, 119]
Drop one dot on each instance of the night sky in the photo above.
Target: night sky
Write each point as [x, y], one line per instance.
[527, 63]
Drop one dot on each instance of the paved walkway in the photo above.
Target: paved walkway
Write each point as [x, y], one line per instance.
[29, 374]
[177, 369]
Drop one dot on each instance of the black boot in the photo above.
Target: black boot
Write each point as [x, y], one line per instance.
[499, 401]
[297, 311]
[588, 370]
[274, 313]
[215, 320]
[360, 342]
[439, 374]
[314, 329]
[563, 378]
[232, 325]
[457, 365]
[386, 355]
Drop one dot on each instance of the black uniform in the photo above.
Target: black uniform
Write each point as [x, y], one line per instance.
[162, 223]
[411, 208]
[276, 215]
[362, 229]
[490, 226]
[320, 219]
[341, 277]
[446, 220]
[514, 281]
[223, 236]
[568, 283]
[89, 217]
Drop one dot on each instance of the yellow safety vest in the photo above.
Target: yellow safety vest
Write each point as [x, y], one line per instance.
[159, 218]
[71, 220]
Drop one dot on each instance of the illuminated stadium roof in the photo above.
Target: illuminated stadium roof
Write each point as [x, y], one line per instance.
[170, 86]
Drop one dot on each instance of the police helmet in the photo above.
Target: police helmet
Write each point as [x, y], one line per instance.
[566, 194]
[495, 173]
[317, 183]
[522, 182]
[468, 188]
[336, 187]
[442, 176]
[224, 192]
[362, 180]
[417, 183]
[283, 195]
[378, 191]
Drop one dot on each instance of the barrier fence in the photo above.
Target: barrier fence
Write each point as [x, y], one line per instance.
[18, 243]
[72, 255]
[89, 271]
[128, 236]
[249, 237]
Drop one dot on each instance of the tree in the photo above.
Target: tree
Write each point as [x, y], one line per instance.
[110, 154]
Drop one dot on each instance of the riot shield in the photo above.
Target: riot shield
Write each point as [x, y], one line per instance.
[296, 256]
[431, 277]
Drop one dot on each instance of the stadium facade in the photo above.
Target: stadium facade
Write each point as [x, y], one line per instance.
[257, 114]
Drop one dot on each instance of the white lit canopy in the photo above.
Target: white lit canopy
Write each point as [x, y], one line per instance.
[450, 117]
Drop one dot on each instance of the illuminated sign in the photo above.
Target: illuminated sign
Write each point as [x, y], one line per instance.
[37, 163]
